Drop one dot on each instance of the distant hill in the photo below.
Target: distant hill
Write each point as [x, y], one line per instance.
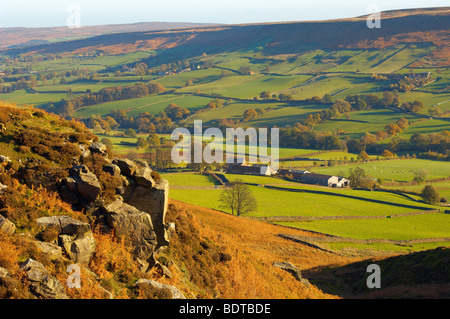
[25, 37]
[403, 26]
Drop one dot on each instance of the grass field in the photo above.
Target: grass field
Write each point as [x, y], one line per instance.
[396, 170]
[433, 225]
[361, 122]
[443, 188]
[152, 104]
[282, 203]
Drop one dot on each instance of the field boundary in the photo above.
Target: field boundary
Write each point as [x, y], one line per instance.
[337, 239]
[287, 189]
[279, 219]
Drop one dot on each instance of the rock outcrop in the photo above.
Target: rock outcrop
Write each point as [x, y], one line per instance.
[74, 236]
[134, 226]
[175, 293]
[42, 283]
[82, 186]
[293, 270]
[6, 226]
[153, 201]
[137, 214]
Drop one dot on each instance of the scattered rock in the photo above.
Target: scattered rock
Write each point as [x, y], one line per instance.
[79, 248]
[4, 272]
[112, 169]
[74, 236]
[41, 282]
[4, 159]
[66, 225]
[2, 188]
[88, 185]
[127, 167]
[51, 250]
[6, 226]
[98, 148]
[287, 266]
[176, 294]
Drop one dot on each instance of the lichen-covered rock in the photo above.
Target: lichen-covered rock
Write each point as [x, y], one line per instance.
[88, 186]
[65, 225]
[153, 201]
[51, 250]
[176, 294]
[79, 248]
[134, 226]
[7, 226]
[143, 177]
[127, 167]
[4, 272]
[74, 236]
[42, 283]
[112, 169]
[99, 148]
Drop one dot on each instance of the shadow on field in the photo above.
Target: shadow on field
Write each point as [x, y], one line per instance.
[417, 275]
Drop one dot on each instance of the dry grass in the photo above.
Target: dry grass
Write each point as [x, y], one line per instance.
[253, 247]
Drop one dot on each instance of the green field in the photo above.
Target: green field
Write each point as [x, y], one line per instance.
[396, 170]
[188, 179]
[433, 225]
[152, 104]
[360, 122]
[283, 203]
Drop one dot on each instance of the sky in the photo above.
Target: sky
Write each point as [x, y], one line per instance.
[48, 13]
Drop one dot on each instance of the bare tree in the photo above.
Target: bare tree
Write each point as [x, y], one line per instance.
[238, 197]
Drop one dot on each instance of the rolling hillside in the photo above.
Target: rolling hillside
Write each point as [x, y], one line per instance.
[25, 37]
[430, 26]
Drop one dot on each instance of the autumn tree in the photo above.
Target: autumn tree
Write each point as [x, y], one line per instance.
[364, 156]
[238, 197]
[249, 114]
[387, 154]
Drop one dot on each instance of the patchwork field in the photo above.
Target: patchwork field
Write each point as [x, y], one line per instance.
[395, 170]
[321, 204]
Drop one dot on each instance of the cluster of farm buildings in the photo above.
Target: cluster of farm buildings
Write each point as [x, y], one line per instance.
[296, 175]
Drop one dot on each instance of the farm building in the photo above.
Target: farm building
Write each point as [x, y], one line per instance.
[315, 179]
[251, 170]
[324, 180]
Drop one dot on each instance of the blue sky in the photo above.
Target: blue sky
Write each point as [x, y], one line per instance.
[41, 13]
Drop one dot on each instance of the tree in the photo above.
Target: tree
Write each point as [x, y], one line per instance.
[358, 178]
[245, 70]
[387, 153]
[239, 198]
[430, 195]
[130, 132]
[265, 95]
[364, 156]
[249, 114]
[420, 176]
[153, 140]
[435, 111]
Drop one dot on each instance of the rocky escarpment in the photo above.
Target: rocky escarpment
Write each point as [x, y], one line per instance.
[137, 211]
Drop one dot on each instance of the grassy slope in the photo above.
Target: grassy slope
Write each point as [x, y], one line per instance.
[254, 246]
